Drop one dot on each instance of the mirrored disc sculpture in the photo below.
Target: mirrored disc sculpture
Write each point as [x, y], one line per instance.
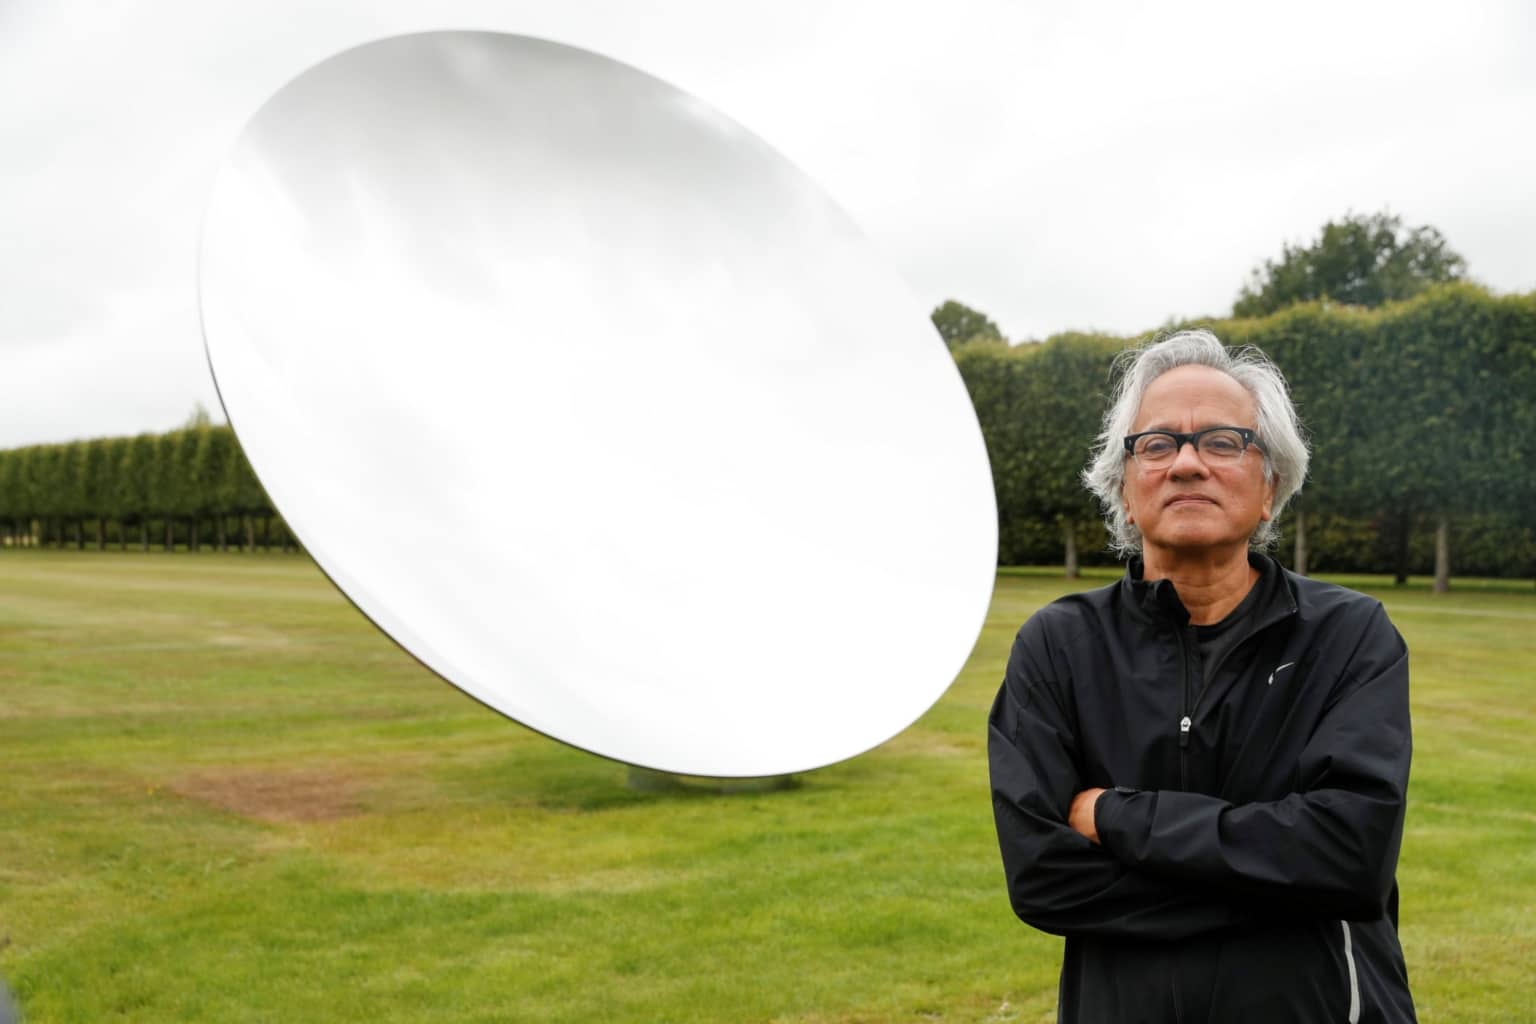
[597, 405]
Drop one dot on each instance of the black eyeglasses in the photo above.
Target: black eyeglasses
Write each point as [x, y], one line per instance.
[1218, 444]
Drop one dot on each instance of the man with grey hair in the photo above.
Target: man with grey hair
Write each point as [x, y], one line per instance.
[1199, 772]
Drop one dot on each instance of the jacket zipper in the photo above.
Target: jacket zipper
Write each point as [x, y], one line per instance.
[1186, 717]
[1192, 696]
[1185, 720]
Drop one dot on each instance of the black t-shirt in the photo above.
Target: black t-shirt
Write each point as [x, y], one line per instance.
[1216, 640]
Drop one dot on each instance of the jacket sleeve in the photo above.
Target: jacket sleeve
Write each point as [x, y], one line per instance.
[1058, 881]
[1331, 847]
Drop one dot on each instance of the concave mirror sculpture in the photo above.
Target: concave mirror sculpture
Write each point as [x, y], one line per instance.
[597, 405]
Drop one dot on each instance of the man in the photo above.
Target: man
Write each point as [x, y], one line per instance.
[1198, 773]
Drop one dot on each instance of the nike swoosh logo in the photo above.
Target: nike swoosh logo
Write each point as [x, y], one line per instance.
[1277, 671]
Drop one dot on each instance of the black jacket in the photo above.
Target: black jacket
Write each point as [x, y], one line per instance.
[1247, 858]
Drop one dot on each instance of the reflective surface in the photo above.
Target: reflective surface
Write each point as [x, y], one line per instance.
[597, 405]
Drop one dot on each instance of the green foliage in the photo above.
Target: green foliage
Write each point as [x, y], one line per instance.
[1485, 544]
[1360, 261]
[1040, 406]
[958, 324]
[1066, 390]
[190, 474]
[1416, 410]
[198, 418]
[242, 492]
[1442, 364]
[136, 477]
[1322, 352]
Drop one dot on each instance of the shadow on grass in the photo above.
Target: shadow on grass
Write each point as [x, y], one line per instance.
[569, 780]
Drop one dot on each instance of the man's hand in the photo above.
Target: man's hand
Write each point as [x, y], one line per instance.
[1080, 817]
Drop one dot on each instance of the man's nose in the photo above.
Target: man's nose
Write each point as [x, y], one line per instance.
[1187, 462]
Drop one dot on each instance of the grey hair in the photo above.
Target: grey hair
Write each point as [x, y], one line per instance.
[1280, 439]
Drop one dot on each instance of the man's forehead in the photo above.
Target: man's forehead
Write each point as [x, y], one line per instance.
[1200, 388]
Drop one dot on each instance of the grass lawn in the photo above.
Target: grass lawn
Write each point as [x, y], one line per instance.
[227, 797]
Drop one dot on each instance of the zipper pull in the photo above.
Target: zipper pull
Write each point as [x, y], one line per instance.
[1184, 724]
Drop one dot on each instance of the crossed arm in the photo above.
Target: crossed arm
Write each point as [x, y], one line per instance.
[1167, 864]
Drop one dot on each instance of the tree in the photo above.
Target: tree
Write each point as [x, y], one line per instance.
[198, 418]
[192, 462]
[958, 323]
[1448, 369]
[1320, 352]
[1358, 261]
[11, 506]
[92, 487]
[167, 494]
[138, 479]
[1039, 408]
[216, 448]
[1066, 393]
[114, 492]
[243, 494]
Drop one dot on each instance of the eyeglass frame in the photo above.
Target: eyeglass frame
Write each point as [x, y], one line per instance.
[1249, 437]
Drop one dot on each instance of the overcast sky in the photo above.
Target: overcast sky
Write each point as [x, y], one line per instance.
[1103, 166]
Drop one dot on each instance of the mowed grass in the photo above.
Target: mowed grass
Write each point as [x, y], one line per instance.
[228, 797]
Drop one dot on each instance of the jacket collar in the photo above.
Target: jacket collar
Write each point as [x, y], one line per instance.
[1158, 600]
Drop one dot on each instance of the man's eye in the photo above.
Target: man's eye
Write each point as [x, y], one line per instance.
[1156, 446]
[1222, 444]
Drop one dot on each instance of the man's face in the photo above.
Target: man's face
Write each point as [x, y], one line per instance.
[1195, 504]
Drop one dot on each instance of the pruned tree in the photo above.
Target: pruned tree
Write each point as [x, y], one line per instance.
[959, 324]
[1039, 407]
[1067, 381]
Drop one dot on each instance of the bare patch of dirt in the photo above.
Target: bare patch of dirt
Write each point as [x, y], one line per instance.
[276, 796]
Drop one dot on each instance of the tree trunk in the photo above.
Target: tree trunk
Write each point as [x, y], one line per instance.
[1443, 554]
[101, 533]
[1069, 537]
[170, 534]
[144, 534]
[122, 535]
[221, 539]
[79, 534]
[250, 533]
[1300, 561]
[1400, 575]
[192, 525]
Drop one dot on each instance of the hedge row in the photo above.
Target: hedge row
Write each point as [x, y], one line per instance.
[1422, 418]
[186, 487]
[1421, 415]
